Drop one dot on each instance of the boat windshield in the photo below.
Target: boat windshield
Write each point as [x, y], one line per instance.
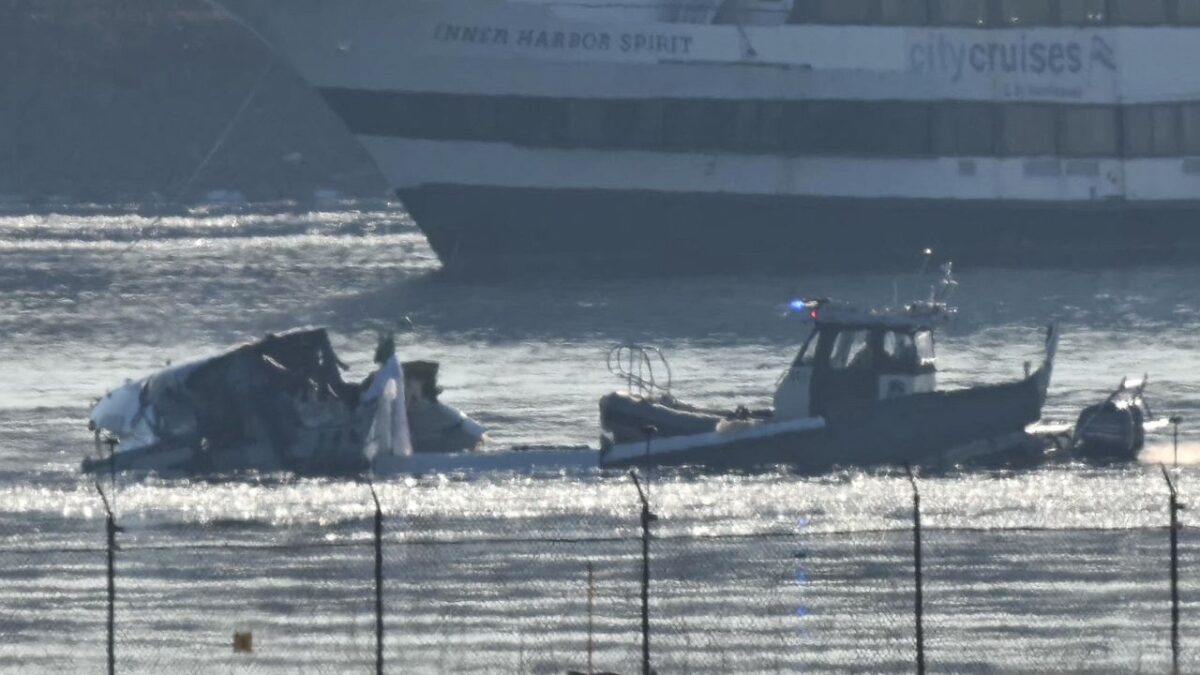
[808, 353]
[924, 340]
[850, 350]
[900, 350]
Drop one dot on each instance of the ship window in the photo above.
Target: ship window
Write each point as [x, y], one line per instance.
[585, 122]
[902, 129]
[963, 129]
[1187, 11]
[1025, 12]
[1027, 130]
[831, 11]
[481, 117]
[1083, 12]
[1088, 131]
[1151, 130]
[900, 350]
[903, 12]
[795, 130]
[682, 124]
[446, 115]
[1140, 12]
[850, 350]
[960, 12]
[533, 121]
[831, 126]
[1191, 128]
[695, 125]
[745, 124]
[924, 342]
[620, 121]
[845, 11]
[648, 124]
[803, 11]
[771, 125]
[756, 125]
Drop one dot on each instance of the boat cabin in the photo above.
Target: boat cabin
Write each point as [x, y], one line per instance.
[849, 361]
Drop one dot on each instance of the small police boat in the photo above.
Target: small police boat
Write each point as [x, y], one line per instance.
[860, 392]
[277, 404]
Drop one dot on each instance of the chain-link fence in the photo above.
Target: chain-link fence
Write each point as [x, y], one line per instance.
[507, 585]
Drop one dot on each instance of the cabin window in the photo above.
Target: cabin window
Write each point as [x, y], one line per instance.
[903, 12]
[1088, 131]
[899, 350]
[1083, 12]
[963, 129]
[960, 12]
[924, 342]
[1151, 130]
[1026, 12]
[1027, 130]
[1187, 12]
[851, 350]
[808, 353]
[1140, 12]
[1191, 128]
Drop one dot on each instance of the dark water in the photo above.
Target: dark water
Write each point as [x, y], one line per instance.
[87, 301]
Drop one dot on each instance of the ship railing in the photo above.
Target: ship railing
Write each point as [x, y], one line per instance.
[644, 369]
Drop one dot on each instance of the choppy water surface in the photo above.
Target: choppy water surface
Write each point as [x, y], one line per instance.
[86, 301]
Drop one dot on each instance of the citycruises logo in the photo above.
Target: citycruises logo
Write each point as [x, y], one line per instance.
[1019, 55]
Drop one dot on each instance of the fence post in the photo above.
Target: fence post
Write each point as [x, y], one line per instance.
[111, 529]
[378, 580]
[919, 605]
[647, 518]
[591, 594]
[1176, 507]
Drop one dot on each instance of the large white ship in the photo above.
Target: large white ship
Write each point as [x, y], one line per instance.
[766, 134]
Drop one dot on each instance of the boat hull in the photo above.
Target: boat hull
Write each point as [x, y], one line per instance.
[481, 230]
[916, 429]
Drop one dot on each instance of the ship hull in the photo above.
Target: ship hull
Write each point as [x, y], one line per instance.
[477, 230]
[533, 137]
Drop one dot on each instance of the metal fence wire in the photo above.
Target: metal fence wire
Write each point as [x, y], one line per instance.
[509, 586]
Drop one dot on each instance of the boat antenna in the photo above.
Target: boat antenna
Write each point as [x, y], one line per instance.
[926, 257]
[942, 291]
[922, 269]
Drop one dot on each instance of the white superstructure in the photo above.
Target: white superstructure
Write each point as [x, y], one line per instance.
[527, 127]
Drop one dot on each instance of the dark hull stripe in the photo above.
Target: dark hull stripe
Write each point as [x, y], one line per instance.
[918, 129]
[491, 230]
